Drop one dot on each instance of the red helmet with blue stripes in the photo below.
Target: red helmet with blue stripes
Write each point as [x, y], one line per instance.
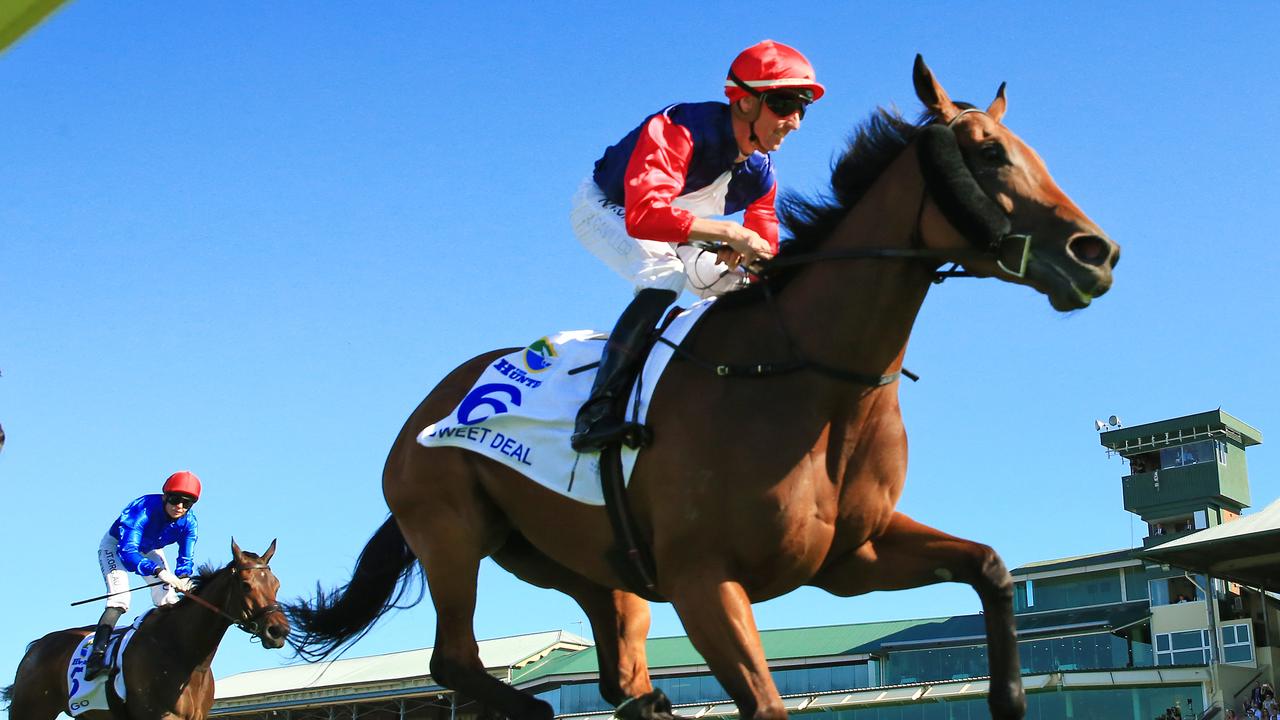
[770, 65]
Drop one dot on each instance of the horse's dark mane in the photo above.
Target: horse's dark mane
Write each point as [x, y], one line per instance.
[875, 144]
[206, 574]
[810, 220]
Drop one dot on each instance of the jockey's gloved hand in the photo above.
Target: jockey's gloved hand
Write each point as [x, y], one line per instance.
[173, 581]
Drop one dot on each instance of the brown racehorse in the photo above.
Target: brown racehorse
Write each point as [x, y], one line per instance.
[166, 666]
[790, 479]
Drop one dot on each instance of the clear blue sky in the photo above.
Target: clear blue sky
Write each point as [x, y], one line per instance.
[246, 240]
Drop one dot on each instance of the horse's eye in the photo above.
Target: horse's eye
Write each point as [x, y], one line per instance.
[246, 587]
[994, 154]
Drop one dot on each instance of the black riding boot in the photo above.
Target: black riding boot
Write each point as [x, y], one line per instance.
[598, 423]
[97, 661]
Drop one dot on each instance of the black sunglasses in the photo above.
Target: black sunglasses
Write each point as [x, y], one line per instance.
[175, 500]
[784, 104]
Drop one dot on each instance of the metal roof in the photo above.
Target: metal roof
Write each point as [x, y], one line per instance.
[557, 656]
[847, 642]
[1078, 561]
[1243, 550]
[1176, 431]
[779, 645]
[500, 655]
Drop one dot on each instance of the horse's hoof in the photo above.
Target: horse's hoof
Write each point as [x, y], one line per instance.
[650, 706]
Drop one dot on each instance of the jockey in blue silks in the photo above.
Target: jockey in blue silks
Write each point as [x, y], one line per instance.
[133, 544]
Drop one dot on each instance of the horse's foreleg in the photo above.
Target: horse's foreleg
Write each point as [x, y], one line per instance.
[716, 613]
[909, 555]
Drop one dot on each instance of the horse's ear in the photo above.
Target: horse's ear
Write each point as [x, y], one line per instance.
[266, 556]
[931, 93]
[997, 107]
[236, 553]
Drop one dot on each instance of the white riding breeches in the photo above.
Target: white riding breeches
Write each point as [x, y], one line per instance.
[602, 229]
[117, 577]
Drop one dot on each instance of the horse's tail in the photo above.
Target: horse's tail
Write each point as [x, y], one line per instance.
[6, 697]
[381, 580]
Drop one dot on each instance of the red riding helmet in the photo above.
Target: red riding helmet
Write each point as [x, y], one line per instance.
[184, 482]
[770, 65]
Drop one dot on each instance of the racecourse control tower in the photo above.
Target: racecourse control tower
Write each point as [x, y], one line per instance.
[1185, 474]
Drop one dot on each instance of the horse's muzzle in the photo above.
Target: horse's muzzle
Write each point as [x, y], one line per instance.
[1094, 250]
[274, 634]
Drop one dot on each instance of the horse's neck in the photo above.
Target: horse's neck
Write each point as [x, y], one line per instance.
[858, 314]
[191, 631]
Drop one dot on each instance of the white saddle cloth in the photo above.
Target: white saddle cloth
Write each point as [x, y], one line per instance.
[85, 695]
[520, 412]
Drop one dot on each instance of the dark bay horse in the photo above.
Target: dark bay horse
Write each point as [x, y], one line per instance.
[790, 479]
[166, 666]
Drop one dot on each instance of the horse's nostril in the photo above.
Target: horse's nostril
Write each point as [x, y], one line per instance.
[1090, 249]
[277, 632]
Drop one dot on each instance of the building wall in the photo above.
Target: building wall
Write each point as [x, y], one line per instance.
[1179, 616]
[1077, 704]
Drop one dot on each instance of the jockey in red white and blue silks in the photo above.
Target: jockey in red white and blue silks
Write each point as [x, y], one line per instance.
[696, 160]
[659, 188]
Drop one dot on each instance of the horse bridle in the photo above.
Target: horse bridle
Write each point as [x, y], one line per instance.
[250, 623]
[992, 250]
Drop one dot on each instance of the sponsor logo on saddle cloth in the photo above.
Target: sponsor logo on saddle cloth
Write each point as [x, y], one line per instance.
[520, 411]
[85, 695]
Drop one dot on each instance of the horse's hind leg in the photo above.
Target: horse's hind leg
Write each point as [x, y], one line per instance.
[619, 620]
[39, 690]
[451, 526]
[909, 555]
[35, 705]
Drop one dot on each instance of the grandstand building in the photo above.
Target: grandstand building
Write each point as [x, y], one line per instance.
[1184, 620]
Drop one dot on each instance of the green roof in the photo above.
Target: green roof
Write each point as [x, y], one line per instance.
[850, 640]
[1175, 431]
[670, 652]
[1068, 563]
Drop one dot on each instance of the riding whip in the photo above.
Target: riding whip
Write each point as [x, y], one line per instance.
[118, 592]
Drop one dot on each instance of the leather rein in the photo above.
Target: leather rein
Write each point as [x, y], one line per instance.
[250, 623]
[917, 251]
